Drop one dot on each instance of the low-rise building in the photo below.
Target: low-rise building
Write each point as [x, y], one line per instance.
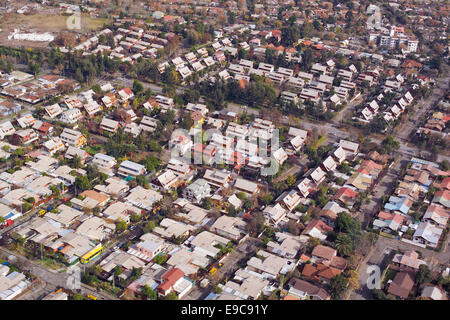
[130, 168]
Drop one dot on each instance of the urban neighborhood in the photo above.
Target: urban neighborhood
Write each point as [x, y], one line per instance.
[224, 150]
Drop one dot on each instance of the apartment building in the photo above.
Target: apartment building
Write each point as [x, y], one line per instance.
[130, 168]
[345, 74]
[237, 130]
[71, 116]
[104, 163]
[25, 136]
[310, 94]
[217, 178]
[295, 83]
[165, 103]
[236, 69]
[148, 124]
[73, 138]
[289, 97]
[266, 67]
[109, 125]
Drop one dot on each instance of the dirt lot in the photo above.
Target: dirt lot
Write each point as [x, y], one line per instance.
[42, 22]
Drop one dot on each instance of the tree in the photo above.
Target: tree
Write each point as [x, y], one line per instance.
[389, 144]
[267, 198]
[83, 183]
[248, 204]
[344, 244]
[149, 293]
[313, 242]
[290, 180]
[187, 122]
[78, 296]
[149, 226]
[353, 277]
[142, 181]
[171, 296]
[160, 259]
[344, 168]
[121, 226]
[424, 274]
[76, 162]
[135, 217]
[338, 284]
[444, 165]
[55, 190]
[136, 273]
[206, 203]
[345, 223]
[137, 87]
[117, 271]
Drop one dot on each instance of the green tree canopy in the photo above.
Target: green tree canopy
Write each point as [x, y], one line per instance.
[338, 285]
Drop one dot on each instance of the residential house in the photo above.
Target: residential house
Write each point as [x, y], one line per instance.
[402, 285]
[104, 163]
[120, 211]
[229, 227]
[275, 214]
[166, 181]
[409, 261]
[174, 281]
[205, 244]
[71, 116]
[197, 191]
[130, 168]
[217, 178]
[246, 186]
[73, 138]
[305, 290]
[428, 234]
[270, 266]
[109, 125]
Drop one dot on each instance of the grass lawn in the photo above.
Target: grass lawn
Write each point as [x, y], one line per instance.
[50, 263]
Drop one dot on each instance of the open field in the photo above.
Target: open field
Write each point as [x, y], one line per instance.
[42, 22]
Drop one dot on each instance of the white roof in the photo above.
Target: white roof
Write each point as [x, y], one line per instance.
[318, 174]
[348, 145]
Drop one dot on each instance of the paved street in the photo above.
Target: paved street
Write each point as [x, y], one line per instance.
[230, 263]
[37, 291]
[403, 133]
[383, 248]
[384, 187]
[53, 278]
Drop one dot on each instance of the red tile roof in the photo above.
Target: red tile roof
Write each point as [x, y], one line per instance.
[401, 285]
[345, 194]
[170, 278]
[319, 225]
